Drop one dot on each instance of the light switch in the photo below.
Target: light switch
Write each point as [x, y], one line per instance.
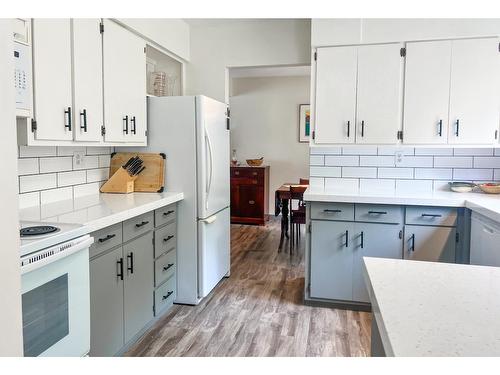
[399, 156]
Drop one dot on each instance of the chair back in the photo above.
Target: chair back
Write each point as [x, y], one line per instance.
[304, 181]
[297, 193]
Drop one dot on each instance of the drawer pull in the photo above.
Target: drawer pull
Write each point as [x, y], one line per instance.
[251, 202]
[237, 173]
[108, 237]
[362, 239]
[166, 239]
[328, 211]
[141, 224]
[167, 267]
[255, 173]
[346, 244]
[168, 295]
[377, 212]
[131, 266]
[119, 274]
[431, 215]
[168, 213]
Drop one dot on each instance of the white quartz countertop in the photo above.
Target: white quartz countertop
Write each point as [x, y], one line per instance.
[100, 210]
[435, 309]
[486, 204]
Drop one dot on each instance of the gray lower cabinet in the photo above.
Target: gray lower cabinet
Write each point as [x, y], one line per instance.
[139, 278]
[373, 240]
[331, 259]
[106, 304]
[433, 244]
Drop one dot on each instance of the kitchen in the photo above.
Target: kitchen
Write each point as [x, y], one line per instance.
[119, 162]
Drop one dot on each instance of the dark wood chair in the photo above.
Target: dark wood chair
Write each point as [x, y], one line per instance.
[304, 181]
[297, 215]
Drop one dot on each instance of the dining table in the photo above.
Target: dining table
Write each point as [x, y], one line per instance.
[282, 205]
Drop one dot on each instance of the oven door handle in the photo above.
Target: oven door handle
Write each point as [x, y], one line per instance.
[53, 258]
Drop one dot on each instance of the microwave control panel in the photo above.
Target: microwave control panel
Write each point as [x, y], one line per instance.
[22, 76]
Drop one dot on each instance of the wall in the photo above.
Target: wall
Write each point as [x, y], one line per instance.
[264, 122]
[10, 280]
[169, 33]
[48, 174]
[327, 32]
[372, 168]
[229, 43]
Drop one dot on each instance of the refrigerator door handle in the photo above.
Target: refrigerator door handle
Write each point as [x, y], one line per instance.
[209, 220]
[209, 182]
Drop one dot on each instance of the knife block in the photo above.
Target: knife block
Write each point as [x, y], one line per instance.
[119, 182]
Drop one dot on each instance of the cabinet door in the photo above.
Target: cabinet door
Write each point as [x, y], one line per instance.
[379, 93]
[475, 91]
[139, 271]
[433, 244]
[251, 201]
[331, 260]
[106, 304]
[52, 79]
[427, 92]
[335, 103]
[485, 237]
[373, 240]
[124, 84]
[87, 79]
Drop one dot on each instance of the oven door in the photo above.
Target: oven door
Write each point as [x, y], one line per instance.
[56, 307]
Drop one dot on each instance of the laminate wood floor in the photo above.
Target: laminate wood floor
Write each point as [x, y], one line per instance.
[258, 310]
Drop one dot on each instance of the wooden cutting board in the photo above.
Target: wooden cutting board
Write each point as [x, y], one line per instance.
[151, 179]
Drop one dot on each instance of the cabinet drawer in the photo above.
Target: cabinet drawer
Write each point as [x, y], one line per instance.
[165, 215]
[165, 295]
[165, 267]
[376, 213]
[105, 239]
[247, 172]
[137, 225]
[443, 216]
[165, 239]
[332, 211]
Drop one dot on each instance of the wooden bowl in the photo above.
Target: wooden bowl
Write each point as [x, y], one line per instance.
[255, 162]
[490, 188]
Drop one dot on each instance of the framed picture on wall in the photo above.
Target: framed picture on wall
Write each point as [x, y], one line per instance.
[304, 123]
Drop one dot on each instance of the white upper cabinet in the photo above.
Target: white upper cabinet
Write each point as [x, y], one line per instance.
[124, 85]
[427, 92]
[52, 99]
[474, 91]
[379, 93]
[87, 80]
[335, 105]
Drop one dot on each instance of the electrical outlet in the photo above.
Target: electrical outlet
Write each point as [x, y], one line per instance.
[399, 157]
[78, 158]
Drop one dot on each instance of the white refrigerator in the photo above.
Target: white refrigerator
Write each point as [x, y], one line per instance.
[194, 134]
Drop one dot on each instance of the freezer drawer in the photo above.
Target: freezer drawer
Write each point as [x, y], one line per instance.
[213, 251]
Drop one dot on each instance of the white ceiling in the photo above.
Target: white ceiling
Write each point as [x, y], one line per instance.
[270, 71]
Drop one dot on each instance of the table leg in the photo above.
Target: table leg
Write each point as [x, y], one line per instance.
[284, 221]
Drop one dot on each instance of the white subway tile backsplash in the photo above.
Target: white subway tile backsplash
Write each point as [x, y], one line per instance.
[433, 173]
[496, 151]
[395, 173]
[104, 161]
[359, 172]
[441, 186]
[359, 150]
[316, 182]
[56, 164]
[69, 150]
[37, 182]
[473, 174]
[36, 151]
[29, 199]
[86, 189]
[417, 161]
[347, 185]
[376, 185]
[27, 166]
[71, 178]
[325, 171]
[473, 151]
[452, 162]
[329, 150]
[433, 151]
[100, 174]
[391, 150]
[496, 174]
[342, 161]
[313, 160]
[487, 162]
[54, 195]
[377, 161]
[88, 163]
[414, 186]
[99, 150]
